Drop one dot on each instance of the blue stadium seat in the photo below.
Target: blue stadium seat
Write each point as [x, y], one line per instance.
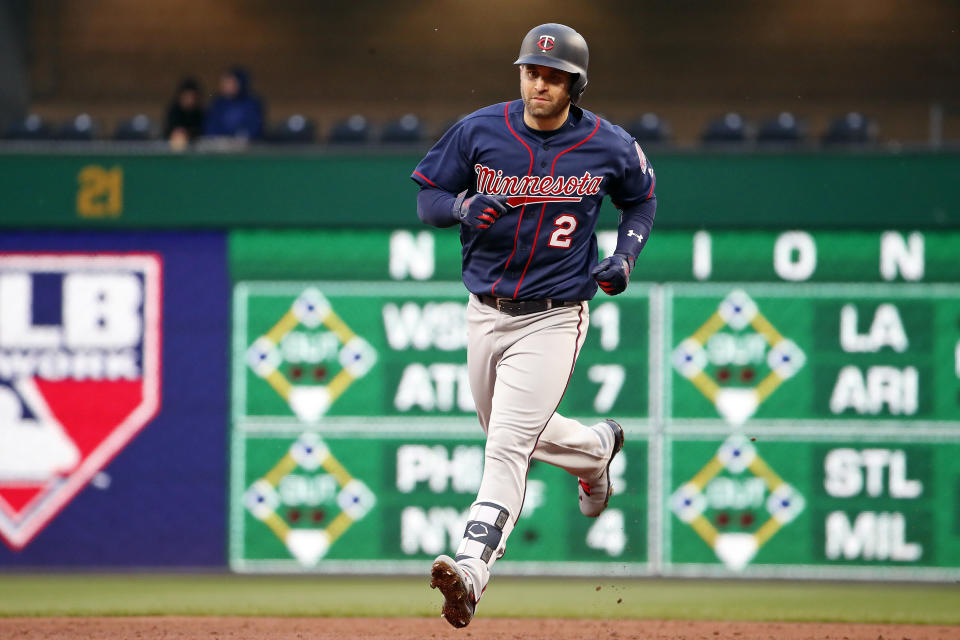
[353, 130]
[784, 129]
[297, 129]
[80, 127]
[730, 128]
[139, 128]
[852, 128]
[649, 128]
[32, 127]
[405, 130]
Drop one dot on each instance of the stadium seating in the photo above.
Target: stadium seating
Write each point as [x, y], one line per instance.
[297, 129]
[851, 128]
[81, 128]
[649, 128]
[139, 128]
[32, 127]
[353, 130]
[784, 129]
[729, 129]
[404, 130]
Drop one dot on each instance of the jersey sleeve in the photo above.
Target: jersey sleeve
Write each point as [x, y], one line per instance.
[637, 180]
[447, 165]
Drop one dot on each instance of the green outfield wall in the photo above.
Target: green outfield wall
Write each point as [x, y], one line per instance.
[785, 363]
[837, 190]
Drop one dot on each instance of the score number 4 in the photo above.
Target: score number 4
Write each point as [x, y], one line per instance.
[100, 192]
[608, 533]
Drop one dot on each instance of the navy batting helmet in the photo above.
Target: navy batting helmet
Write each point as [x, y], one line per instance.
[560, 47]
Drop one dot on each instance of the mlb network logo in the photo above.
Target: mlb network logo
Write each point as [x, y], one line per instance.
[79, 374]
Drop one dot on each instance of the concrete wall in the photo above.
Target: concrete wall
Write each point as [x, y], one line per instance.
[13, 60]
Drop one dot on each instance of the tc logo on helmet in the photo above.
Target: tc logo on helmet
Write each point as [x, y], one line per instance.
[546, 42]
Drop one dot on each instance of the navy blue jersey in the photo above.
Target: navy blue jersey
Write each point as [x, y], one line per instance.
[545, 245]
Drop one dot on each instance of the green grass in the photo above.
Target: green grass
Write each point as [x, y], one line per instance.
[227, 595]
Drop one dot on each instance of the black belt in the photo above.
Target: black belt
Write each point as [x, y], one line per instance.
[523, 307]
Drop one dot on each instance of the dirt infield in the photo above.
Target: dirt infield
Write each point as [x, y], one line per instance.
[177, 628]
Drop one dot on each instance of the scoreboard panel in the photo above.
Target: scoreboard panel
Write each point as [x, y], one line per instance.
[820, 505]
[791, 402]
[805, 354]
[404, 346]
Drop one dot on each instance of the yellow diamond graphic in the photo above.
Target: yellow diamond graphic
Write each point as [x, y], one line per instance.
[354, 499]
[738, 312]
[783, 504]
[311, 310]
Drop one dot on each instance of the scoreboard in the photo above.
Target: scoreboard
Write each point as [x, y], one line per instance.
[791, 402]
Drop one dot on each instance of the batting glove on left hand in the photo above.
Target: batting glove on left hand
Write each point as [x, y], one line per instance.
[480, 210]
[613, 273]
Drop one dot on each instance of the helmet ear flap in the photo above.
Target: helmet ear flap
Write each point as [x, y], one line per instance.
[577, 85]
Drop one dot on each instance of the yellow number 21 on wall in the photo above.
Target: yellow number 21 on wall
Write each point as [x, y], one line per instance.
[100, 192]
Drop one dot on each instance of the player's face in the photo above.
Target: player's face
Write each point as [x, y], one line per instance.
[545, 91]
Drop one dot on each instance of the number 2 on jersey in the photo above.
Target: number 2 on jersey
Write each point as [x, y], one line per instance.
[565, 226]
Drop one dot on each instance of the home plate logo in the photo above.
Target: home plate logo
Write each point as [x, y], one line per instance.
[766, 503]
[303, 517]
[341, 357]
[79, 375]
[737, 358]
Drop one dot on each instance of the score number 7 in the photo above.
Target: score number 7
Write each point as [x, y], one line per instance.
[610, 377]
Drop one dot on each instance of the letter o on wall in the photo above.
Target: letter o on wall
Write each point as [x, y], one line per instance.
[795, 255]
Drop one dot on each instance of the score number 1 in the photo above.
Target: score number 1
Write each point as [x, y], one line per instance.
[610, 377]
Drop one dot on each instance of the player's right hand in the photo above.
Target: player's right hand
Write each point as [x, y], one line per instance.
[480, 210]
[613, 273]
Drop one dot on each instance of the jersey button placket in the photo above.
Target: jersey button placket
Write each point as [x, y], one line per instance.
[543, 162]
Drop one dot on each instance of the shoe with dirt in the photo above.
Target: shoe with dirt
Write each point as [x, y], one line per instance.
[595, 495]
[458, 601]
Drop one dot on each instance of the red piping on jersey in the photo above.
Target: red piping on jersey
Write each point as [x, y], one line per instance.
[576, 354]
[417, 173]
[516, 234]
[653, 183]
[544, 207]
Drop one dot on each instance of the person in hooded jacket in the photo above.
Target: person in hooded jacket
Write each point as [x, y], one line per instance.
[235, 112]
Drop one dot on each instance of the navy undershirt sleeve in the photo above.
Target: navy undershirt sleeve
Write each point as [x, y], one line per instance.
[435, 207]
[635, 220]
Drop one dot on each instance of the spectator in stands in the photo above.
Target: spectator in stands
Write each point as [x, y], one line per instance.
[185, 115]
[235, 112]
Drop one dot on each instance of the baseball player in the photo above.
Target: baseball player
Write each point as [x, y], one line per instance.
[524, 180]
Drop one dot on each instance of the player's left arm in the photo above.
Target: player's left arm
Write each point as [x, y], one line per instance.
[636, 189]
[636, 222]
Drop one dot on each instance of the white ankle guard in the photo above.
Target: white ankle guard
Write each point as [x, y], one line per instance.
[483, 533]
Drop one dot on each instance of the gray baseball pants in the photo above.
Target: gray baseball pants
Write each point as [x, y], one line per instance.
[519, 367]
